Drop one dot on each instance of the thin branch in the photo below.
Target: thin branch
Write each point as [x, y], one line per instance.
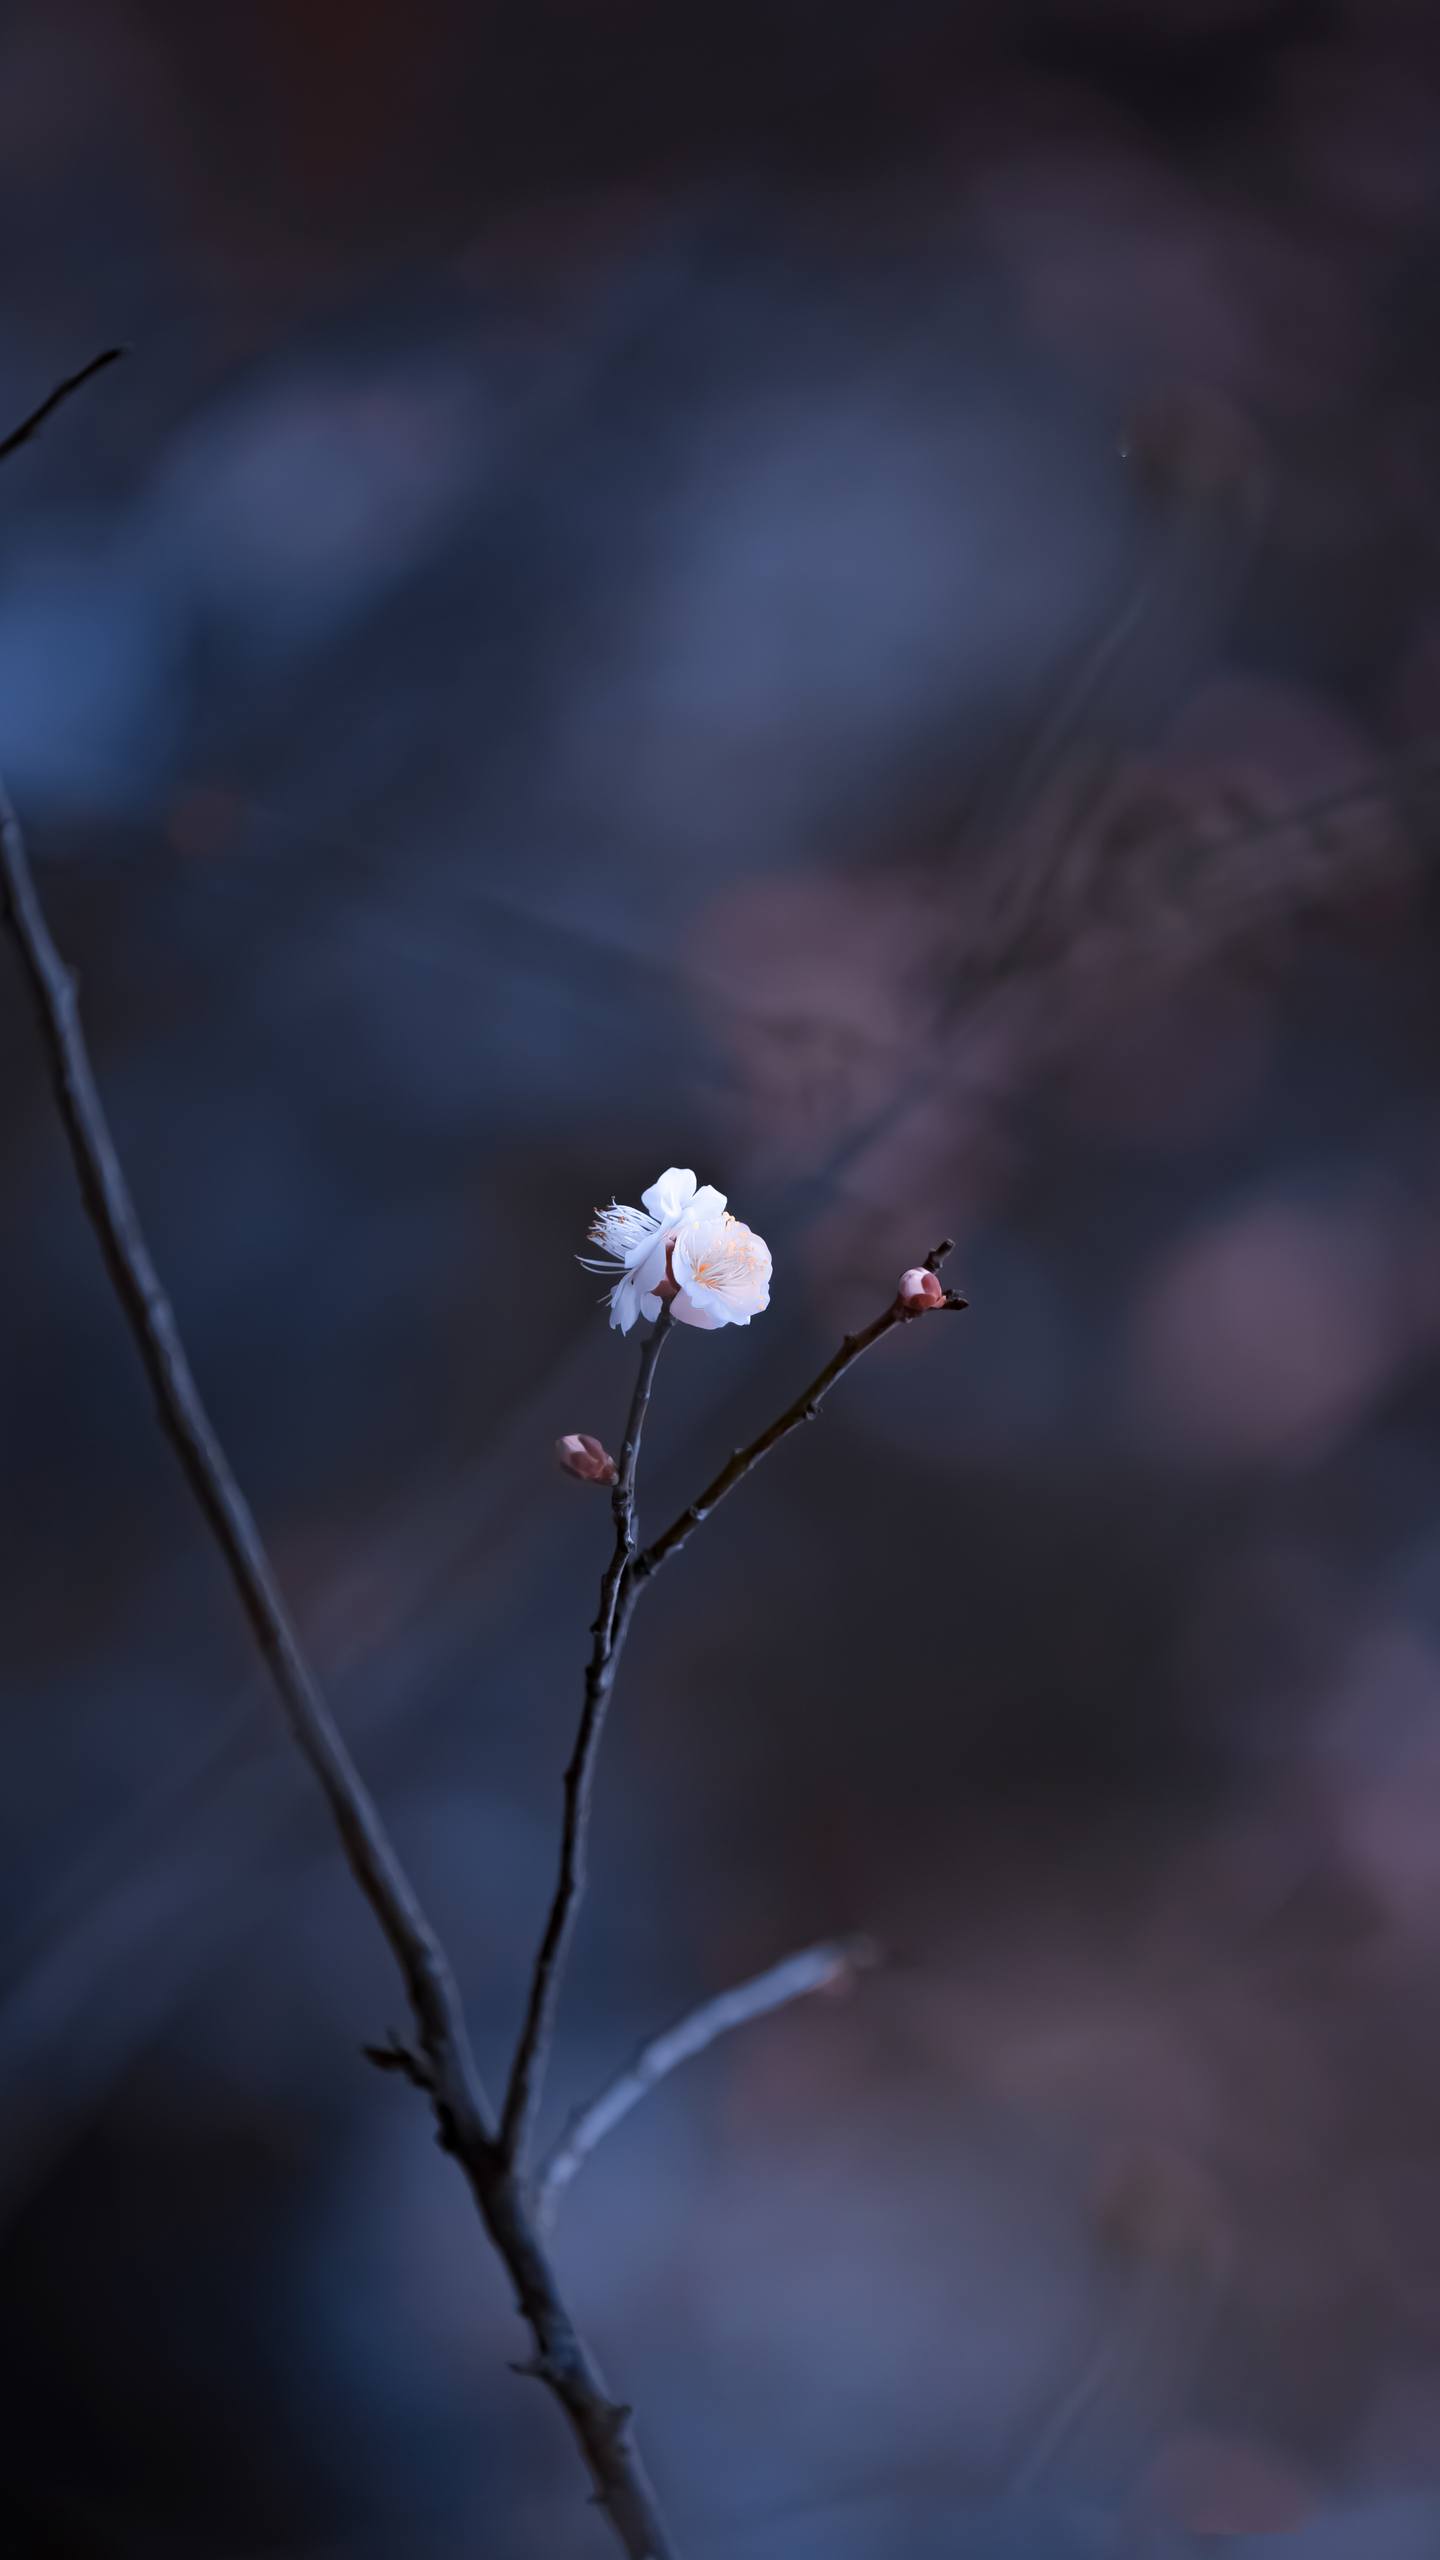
[612, 1620]
[804, 1409]
[625, 1577]
[54, 400]
[813, 1969]
[562, 2359]
[151, 1319]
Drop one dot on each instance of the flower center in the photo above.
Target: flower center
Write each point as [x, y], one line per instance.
[729, 1260]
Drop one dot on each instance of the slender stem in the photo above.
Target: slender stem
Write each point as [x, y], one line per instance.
[438, 2016]
[625, 1577]
[444, 2066]
[812, 1969]
[54, 399]
[804, 1409]
[618, 1593]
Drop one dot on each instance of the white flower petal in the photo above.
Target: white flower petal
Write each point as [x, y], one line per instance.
[706, 1318]
[707, 1203]
[670, 1197]
[635, 1293]
[648, 1273]
[623, 1307]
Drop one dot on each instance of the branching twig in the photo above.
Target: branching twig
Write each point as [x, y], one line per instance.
[629, 1569]
[813, 1969]
[562, 2359]
[804, 1409]
[54, 399]
[612, 1619]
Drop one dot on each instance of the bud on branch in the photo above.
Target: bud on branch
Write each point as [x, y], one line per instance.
[581, 1454]
[919, 1290]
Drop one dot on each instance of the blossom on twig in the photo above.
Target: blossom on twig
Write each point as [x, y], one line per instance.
[682, 1244]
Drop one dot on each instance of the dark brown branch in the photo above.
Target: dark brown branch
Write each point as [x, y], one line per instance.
[612, 1622]
[804, 1409]
[813, 1969]
[444, 2061]
[54, 400]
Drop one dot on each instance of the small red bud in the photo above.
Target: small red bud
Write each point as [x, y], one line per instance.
[581, 1454]
[920, 1289]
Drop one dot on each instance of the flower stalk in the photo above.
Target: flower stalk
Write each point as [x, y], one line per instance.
[612, 1621]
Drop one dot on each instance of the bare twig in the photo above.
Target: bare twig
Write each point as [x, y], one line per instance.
[55, 399]
[396, 2055]
[804, 1409]
[813, 1969]
[562, 2359]
[629, 1569]
[612, 1620]
[151, 1319]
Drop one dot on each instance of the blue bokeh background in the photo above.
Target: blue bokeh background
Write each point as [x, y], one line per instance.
[848, 598]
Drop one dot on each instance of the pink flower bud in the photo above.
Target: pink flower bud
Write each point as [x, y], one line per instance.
[581, 1454]
[920, 1289]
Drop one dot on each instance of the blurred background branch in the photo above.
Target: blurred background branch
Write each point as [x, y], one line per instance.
[55, 399]
[818, 1968]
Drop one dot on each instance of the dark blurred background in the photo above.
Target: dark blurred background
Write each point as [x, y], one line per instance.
[848, 597]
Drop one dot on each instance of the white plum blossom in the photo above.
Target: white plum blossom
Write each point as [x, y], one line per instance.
[684, 1245]
[721, 1269]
